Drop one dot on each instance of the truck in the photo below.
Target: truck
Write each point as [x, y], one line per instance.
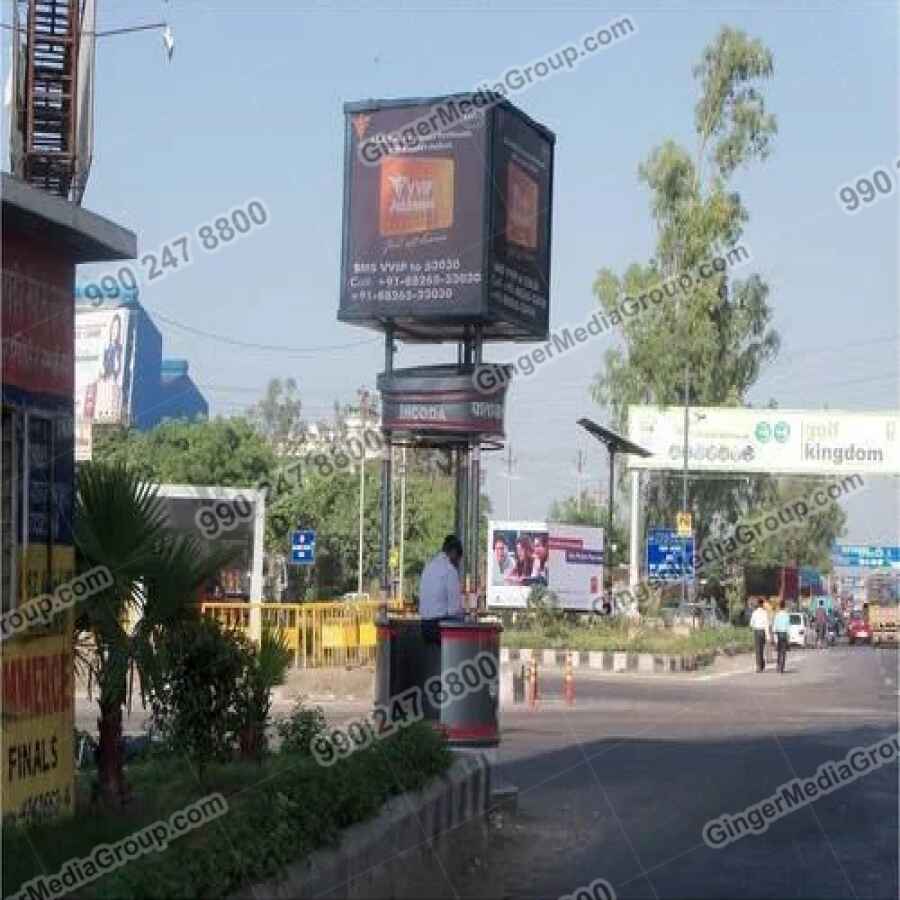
[883, 604]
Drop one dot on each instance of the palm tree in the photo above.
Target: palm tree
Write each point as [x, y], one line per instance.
[120, 523]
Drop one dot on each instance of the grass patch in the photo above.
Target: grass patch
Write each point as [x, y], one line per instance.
[634, 640]
[279, 811]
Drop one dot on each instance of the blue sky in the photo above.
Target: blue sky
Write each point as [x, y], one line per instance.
[251, 106]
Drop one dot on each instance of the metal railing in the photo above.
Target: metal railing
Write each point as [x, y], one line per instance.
[318, 634]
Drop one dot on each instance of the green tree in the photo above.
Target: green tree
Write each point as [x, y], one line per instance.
[806, 544]
[720, 328]
[278, 415]
[221, 451]
[119, 523]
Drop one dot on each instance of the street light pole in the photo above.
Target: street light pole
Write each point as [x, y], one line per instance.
[684, 481]
[363, 409]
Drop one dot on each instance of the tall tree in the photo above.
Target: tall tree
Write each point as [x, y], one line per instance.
[220, 451]
[720, 327]
[278, 415]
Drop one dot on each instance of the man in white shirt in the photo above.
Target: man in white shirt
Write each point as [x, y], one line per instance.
[440, 596]
[759, 623]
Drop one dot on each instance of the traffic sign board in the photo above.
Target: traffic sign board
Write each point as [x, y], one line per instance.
[303, 547]
[684, 523]
[669, 556]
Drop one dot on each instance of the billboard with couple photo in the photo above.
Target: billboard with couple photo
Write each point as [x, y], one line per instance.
[567, 559]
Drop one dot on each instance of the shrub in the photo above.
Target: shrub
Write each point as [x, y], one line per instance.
[264, 667]
[543, 613]
[195, 694]
[298, 730]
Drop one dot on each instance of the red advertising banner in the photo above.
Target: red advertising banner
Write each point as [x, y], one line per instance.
[38, 318]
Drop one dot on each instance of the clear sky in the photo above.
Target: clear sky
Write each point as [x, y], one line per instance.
[251, 107]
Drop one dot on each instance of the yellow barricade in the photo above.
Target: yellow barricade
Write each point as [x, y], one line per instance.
[320, 634]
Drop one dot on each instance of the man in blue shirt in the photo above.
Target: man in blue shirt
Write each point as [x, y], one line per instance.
[780, 626]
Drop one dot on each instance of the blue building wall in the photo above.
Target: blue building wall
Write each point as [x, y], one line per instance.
[161, 389]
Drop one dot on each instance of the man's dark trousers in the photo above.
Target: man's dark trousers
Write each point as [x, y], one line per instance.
[782, 645]
[759, 639]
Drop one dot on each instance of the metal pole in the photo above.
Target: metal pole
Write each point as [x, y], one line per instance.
[363, 410]
[684, 481]
[402, 515]
[612, 489]
[634, 574]
[474, 506]
[508, 481]
[462, 497]
[386, 477]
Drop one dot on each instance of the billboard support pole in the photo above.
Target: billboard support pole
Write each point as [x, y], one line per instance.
[475, 481]
[386, 477]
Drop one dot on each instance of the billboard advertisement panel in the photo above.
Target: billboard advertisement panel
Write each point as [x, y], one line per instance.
[576, 565]
[104, 372]
[776, 441]
[38, 728]
[451, 228]
[568, 559]
[520, 221]
[518, 559]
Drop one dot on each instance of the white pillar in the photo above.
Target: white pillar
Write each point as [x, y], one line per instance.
[256, 573]
[634, 573]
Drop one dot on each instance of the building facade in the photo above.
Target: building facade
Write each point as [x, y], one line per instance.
[43, 239]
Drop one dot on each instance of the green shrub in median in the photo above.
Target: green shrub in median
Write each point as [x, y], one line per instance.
[278, 813]
[614, 635]
[298, 730]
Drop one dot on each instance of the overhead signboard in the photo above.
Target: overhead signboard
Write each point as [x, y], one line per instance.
[669, 556]
[567, 559]
[865, 556]
[775, 441]
[447, 211]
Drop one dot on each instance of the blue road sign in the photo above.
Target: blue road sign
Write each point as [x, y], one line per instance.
[303, 547]
[668, 555]
[865, 556]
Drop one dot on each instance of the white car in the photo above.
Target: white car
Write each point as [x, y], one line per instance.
[797, 629]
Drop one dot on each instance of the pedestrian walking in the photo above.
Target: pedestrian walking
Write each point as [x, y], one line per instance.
[821, 622]
[780, 626]
[759, 624]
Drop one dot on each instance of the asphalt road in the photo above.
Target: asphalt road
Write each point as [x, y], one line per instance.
[620, 785]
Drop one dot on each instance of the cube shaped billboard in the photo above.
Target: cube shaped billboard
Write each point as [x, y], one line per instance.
[447, 219]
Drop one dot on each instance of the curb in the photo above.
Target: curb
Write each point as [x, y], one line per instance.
[617, 661]
[393, 853]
